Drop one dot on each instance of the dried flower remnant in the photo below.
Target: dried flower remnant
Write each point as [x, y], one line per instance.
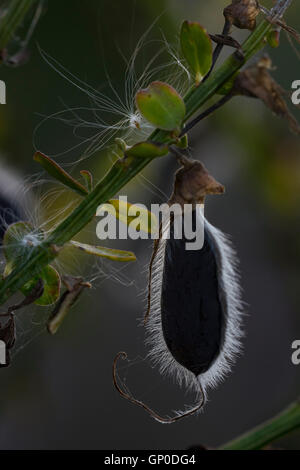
[74, 286]
[242, 13]
[7, 320]
[274, 16]
[256, 81]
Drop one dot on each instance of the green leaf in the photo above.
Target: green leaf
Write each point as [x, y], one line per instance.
[88, 179]
[109, 253]
[51, 282]
[162, 106]
[147, 150]
[121, 210]
[197, 49]
[183, 143]
[59, 174]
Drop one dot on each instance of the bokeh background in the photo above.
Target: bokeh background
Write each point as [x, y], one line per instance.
[58, 393]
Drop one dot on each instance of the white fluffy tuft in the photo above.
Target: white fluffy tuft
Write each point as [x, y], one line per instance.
[230, 298]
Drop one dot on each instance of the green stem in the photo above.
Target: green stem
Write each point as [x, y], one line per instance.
[268, 432]
[201, 94]
[121, 173]
[12, 19]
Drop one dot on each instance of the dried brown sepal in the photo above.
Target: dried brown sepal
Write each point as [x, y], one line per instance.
[256, 81]
[242, 13]
[193, 182]
[291, 31]
[7, 320]
[34, 295]
[74, 286]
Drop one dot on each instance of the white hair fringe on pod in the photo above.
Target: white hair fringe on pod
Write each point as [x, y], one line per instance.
[193, 321]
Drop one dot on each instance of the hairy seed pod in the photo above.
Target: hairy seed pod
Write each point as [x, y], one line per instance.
[194, 312]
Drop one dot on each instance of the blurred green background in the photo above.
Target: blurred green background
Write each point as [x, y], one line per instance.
[58, 394]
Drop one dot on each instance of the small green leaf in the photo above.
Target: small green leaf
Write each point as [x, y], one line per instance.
[162, 106]
[109, 253]
[88, 179]
[51, 282]
[197, 49]
[58, 173]
[183, 143]
[122, 210]
[147, 150]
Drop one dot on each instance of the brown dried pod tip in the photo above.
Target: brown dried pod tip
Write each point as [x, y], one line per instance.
[193, 183]
[242, 13]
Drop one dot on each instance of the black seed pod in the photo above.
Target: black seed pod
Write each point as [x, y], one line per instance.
[194, 311]
[191, 311]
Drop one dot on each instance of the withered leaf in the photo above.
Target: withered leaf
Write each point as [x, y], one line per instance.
[74, 286]
[256, 81]
[7, 321]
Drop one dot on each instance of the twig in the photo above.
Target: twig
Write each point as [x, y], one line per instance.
[218, 48]
[206, 113]
[274, 17]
